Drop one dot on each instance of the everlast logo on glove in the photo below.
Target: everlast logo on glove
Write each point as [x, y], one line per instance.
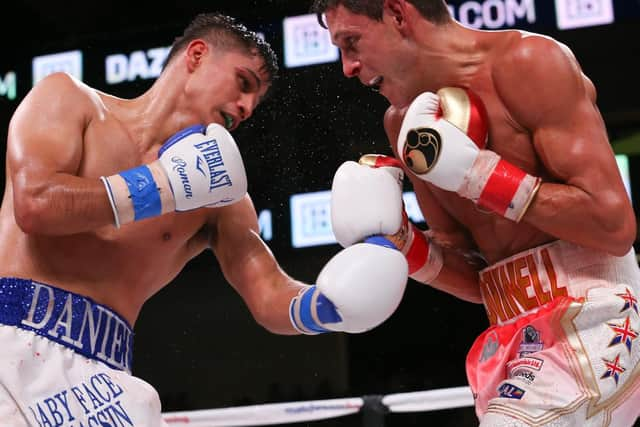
[194, 170]
[213, 158]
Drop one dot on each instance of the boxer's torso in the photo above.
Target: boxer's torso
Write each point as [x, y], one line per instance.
[496, 238]
[118, 268]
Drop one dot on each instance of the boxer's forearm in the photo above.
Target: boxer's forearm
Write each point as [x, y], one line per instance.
[602, 220]
[457, 277]
[272, 312]
[61, 205]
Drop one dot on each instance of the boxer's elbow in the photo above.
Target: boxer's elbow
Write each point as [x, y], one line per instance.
[32, 202]
[266, 316]
[472, 297]
[622, 239]
[619, 224]
[30, 213]
[270, 312]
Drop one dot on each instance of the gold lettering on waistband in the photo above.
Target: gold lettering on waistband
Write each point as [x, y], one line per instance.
[520, 273]
[490, 303]
[500, 279]
[551, 274]
[542, 297]
[519, 285]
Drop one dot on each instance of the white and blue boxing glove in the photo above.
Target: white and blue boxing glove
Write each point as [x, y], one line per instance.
[366, 201]
[198, 166]
[358, 289]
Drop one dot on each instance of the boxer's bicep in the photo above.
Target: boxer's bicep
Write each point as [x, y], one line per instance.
[44, 154]
[582, 189]
[46, 131]
[556, 106]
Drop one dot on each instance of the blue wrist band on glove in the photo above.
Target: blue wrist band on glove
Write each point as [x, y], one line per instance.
[144, 192]
[314, 301]
[380, 241]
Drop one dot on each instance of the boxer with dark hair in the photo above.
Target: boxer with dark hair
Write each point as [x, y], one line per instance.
[501, 137]
[107, 199]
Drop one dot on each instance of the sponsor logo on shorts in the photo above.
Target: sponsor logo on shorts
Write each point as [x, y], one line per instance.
[525, 362]
[510, 391]
[531, 342]
[523, 374]
[490, 347]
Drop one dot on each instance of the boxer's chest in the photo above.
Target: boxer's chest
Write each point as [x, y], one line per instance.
[496, 236]
[109, 149]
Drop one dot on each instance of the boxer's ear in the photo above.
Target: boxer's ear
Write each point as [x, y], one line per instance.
[396, 9]
[194, 52]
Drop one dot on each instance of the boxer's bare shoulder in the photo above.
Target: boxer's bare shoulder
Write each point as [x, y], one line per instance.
[554, 79]
[60, 96]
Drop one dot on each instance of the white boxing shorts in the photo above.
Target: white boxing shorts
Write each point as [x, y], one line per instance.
[65, 361]
[563, 348]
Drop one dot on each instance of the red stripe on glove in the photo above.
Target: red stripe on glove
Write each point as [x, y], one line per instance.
[418, 252]
[501, 187]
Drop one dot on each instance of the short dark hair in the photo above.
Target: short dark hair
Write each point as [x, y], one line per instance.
[433, 10]
[225, 32]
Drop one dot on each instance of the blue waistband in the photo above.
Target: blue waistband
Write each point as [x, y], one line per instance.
[68, 319]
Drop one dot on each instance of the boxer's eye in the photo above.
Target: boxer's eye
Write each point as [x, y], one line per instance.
[248, 82]
[350, 43]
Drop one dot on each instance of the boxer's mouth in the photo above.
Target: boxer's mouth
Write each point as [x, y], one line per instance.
[375, 83]
[229, 121]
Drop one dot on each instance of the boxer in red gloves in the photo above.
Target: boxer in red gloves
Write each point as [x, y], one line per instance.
[501, 137]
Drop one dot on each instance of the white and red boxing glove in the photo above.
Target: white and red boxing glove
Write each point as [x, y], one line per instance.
[367, 205]
[442, 140]
[366, 201]
[358, 289]
[197, 167]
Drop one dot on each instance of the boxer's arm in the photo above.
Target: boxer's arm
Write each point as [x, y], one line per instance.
[586, 202]
[356, 290]
[44, 153]
[250, 267]
[458, 275]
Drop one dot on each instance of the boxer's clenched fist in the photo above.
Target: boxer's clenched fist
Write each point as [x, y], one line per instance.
[442, 140]
[367, 205]
[365, 200]
[198, 166]
[358, 289]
